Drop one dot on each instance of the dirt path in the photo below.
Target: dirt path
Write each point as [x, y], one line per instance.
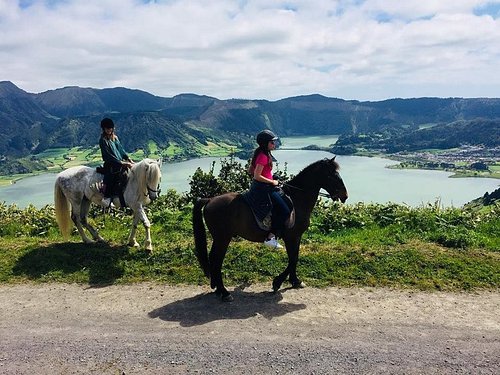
[157, 329]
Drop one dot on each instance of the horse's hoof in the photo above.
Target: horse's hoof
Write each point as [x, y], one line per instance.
[276, 285]
[298, 284]
[224, 295]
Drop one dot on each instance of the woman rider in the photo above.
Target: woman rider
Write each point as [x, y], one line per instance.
[263, 183]
[114, 156]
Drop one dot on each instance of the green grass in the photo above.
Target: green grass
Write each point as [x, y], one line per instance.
[424, 248]
[215, 150]
[63, 158]
[172, 150]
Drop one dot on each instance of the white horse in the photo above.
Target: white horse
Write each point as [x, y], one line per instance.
[74, 190]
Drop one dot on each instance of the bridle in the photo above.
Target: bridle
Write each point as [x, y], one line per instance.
[150, 191]
[156, 191]
[321, 194]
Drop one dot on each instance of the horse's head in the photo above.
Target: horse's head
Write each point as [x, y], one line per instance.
[333, 183]
[152, 178]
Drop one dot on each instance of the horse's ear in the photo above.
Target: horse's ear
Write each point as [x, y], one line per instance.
[159, 161]
[333, 159]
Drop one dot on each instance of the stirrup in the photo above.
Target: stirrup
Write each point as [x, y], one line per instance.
[107, 203]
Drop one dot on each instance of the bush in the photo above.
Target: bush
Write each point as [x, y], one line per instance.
[458, 238]
[233, 176]
[26, 222]
[449, 227]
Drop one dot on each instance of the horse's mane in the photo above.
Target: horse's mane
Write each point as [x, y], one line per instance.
[304, 176]
[312, 169]
[143, 176]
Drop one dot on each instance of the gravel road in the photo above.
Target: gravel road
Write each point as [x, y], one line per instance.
[159, 329]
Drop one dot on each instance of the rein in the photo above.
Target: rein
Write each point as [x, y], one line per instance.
[321, 194]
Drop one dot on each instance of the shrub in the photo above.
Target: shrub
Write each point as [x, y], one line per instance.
[459, 238]
[26, 222]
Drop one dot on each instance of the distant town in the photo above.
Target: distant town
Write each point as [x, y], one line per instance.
[477, 161]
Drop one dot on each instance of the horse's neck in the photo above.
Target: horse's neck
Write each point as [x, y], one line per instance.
[304, 188]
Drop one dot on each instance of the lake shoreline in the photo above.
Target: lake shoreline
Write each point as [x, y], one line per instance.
[369, 177]
[444, 160]
[6, 180]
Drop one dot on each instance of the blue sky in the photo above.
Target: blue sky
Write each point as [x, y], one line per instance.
[255, 49]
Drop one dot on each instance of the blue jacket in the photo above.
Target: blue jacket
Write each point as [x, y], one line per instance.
[112, 153]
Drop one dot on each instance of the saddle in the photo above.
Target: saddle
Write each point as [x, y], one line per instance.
[118, 182]
[262, 210]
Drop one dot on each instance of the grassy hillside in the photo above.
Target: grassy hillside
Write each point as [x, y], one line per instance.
[427, 248]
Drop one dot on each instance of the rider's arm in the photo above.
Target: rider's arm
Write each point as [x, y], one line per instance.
[121, 150]
[125, 161]
[257, 175]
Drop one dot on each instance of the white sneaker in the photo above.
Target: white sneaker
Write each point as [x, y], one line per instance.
[273, 242]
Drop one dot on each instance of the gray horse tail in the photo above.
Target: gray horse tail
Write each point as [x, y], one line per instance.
[200, 236]
[62, 207]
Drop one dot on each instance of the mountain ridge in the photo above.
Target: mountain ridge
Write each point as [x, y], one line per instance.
[30, 123]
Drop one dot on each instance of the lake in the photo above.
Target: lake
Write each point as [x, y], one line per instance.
[367, 179]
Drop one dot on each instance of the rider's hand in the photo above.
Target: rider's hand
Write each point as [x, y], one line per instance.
[276, 182]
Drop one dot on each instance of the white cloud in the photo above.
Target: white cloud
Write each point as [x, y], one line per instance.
[366, 50]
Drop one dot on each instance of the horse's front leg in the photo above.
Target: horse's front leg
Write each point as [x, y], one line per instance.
[278, 280]
[131, 238]
[140, 215]
[293, 258]
[292, 249]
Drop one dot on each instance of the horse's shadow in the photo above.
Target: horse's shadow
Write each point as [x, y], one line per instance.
[101, 262]
[207, 307]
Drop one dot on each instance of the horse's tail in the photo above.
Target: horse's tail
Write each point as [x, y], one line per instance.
[62, 208]
[200, 236]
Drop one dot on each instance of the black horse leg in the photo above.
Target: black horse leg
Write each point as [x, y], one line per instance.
[216, 258]
[292, 249]
[293, 258]
[278, 280]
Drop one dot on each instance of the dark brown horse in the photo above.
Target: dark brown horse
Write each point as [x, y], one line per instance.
[228, 215]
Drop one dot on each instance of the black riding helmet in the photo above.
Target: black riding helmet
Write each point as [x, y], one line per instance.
[107, 123]
[265, 136]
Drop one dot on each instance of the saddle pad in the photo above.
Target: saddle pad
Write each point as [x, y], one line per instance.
[264, 222]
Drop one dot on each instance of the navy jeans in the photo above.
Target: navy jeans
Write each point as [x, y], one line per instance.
[280, 209]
